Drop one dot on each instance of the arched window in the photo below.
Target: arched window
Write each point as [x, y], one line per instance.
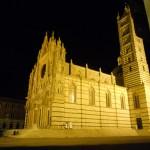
[136, 101]
[108, 99]
[122, 101]
[72, 93]
[35, 116]
[91, 96]
[48, 117]
[40, 117]
[59, 89]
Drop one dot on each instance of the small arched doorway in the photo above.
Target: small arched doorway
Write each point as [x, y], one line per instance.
[139, 123]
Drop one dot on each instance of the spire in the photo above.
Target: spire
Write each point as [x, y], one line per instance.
[86, 65]
[127, 8]
[53, 35]
[63, 48]
[86, 70]
[63, 45]
[59, 41]
[45, 42]
[100, 70]
[118, 16]
[44, 46]
[46, 38]
[46, 34]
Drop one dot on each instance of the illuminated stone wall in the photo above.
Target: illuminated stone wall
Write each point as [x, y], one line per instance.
[82, 114]
[65, 95]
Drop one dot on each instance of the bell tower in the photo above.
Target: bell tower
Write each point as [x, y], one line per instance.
[133, 59]
[135, 70]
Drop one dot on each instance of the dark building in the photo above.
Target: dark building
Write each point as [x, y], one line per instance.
[12, 113]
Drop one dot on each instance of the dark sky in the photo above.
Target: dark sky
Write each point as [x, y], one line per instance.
[88, 30]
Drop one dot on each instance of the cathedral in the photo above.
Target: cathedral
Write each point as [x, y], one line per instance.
[63, 95]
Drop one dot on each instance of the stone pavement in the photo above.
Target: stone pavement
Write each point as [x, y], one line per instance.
[36, 142]
[76, 133]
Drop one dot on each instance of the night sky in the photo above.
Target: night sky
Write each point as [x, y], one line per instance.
[87, 29]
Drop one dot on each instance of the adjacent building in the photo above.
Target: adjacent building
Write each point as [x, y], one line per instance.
[12, 113]
[65, 95]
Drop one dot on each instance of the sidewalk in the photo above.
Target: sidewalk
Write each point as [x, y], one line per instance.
[76, 133]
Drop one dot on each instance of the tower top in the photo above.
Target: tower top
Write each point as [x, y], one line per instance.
[125, 11]
[127, 7]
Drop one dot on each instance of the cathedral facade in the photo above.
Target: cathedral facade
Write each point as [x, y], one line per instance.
[65, 95]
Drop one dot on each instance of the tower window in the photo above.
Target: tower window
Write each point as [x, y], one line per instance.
[136, 101]
[123, 22]
[108, 99]
[143, 68]
[129, 59]
[91, 96]
[130, 68]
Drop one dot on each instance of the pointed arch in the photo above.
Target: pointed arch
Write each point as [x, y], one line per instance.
[108, 99]
[122, 101]
[72, 93]
[91, 96]
[60, 88]
[48, 118]
[35, 116]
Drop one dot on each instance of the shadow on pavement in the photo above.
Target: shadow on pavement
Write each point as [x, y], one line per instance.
[95, 147]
